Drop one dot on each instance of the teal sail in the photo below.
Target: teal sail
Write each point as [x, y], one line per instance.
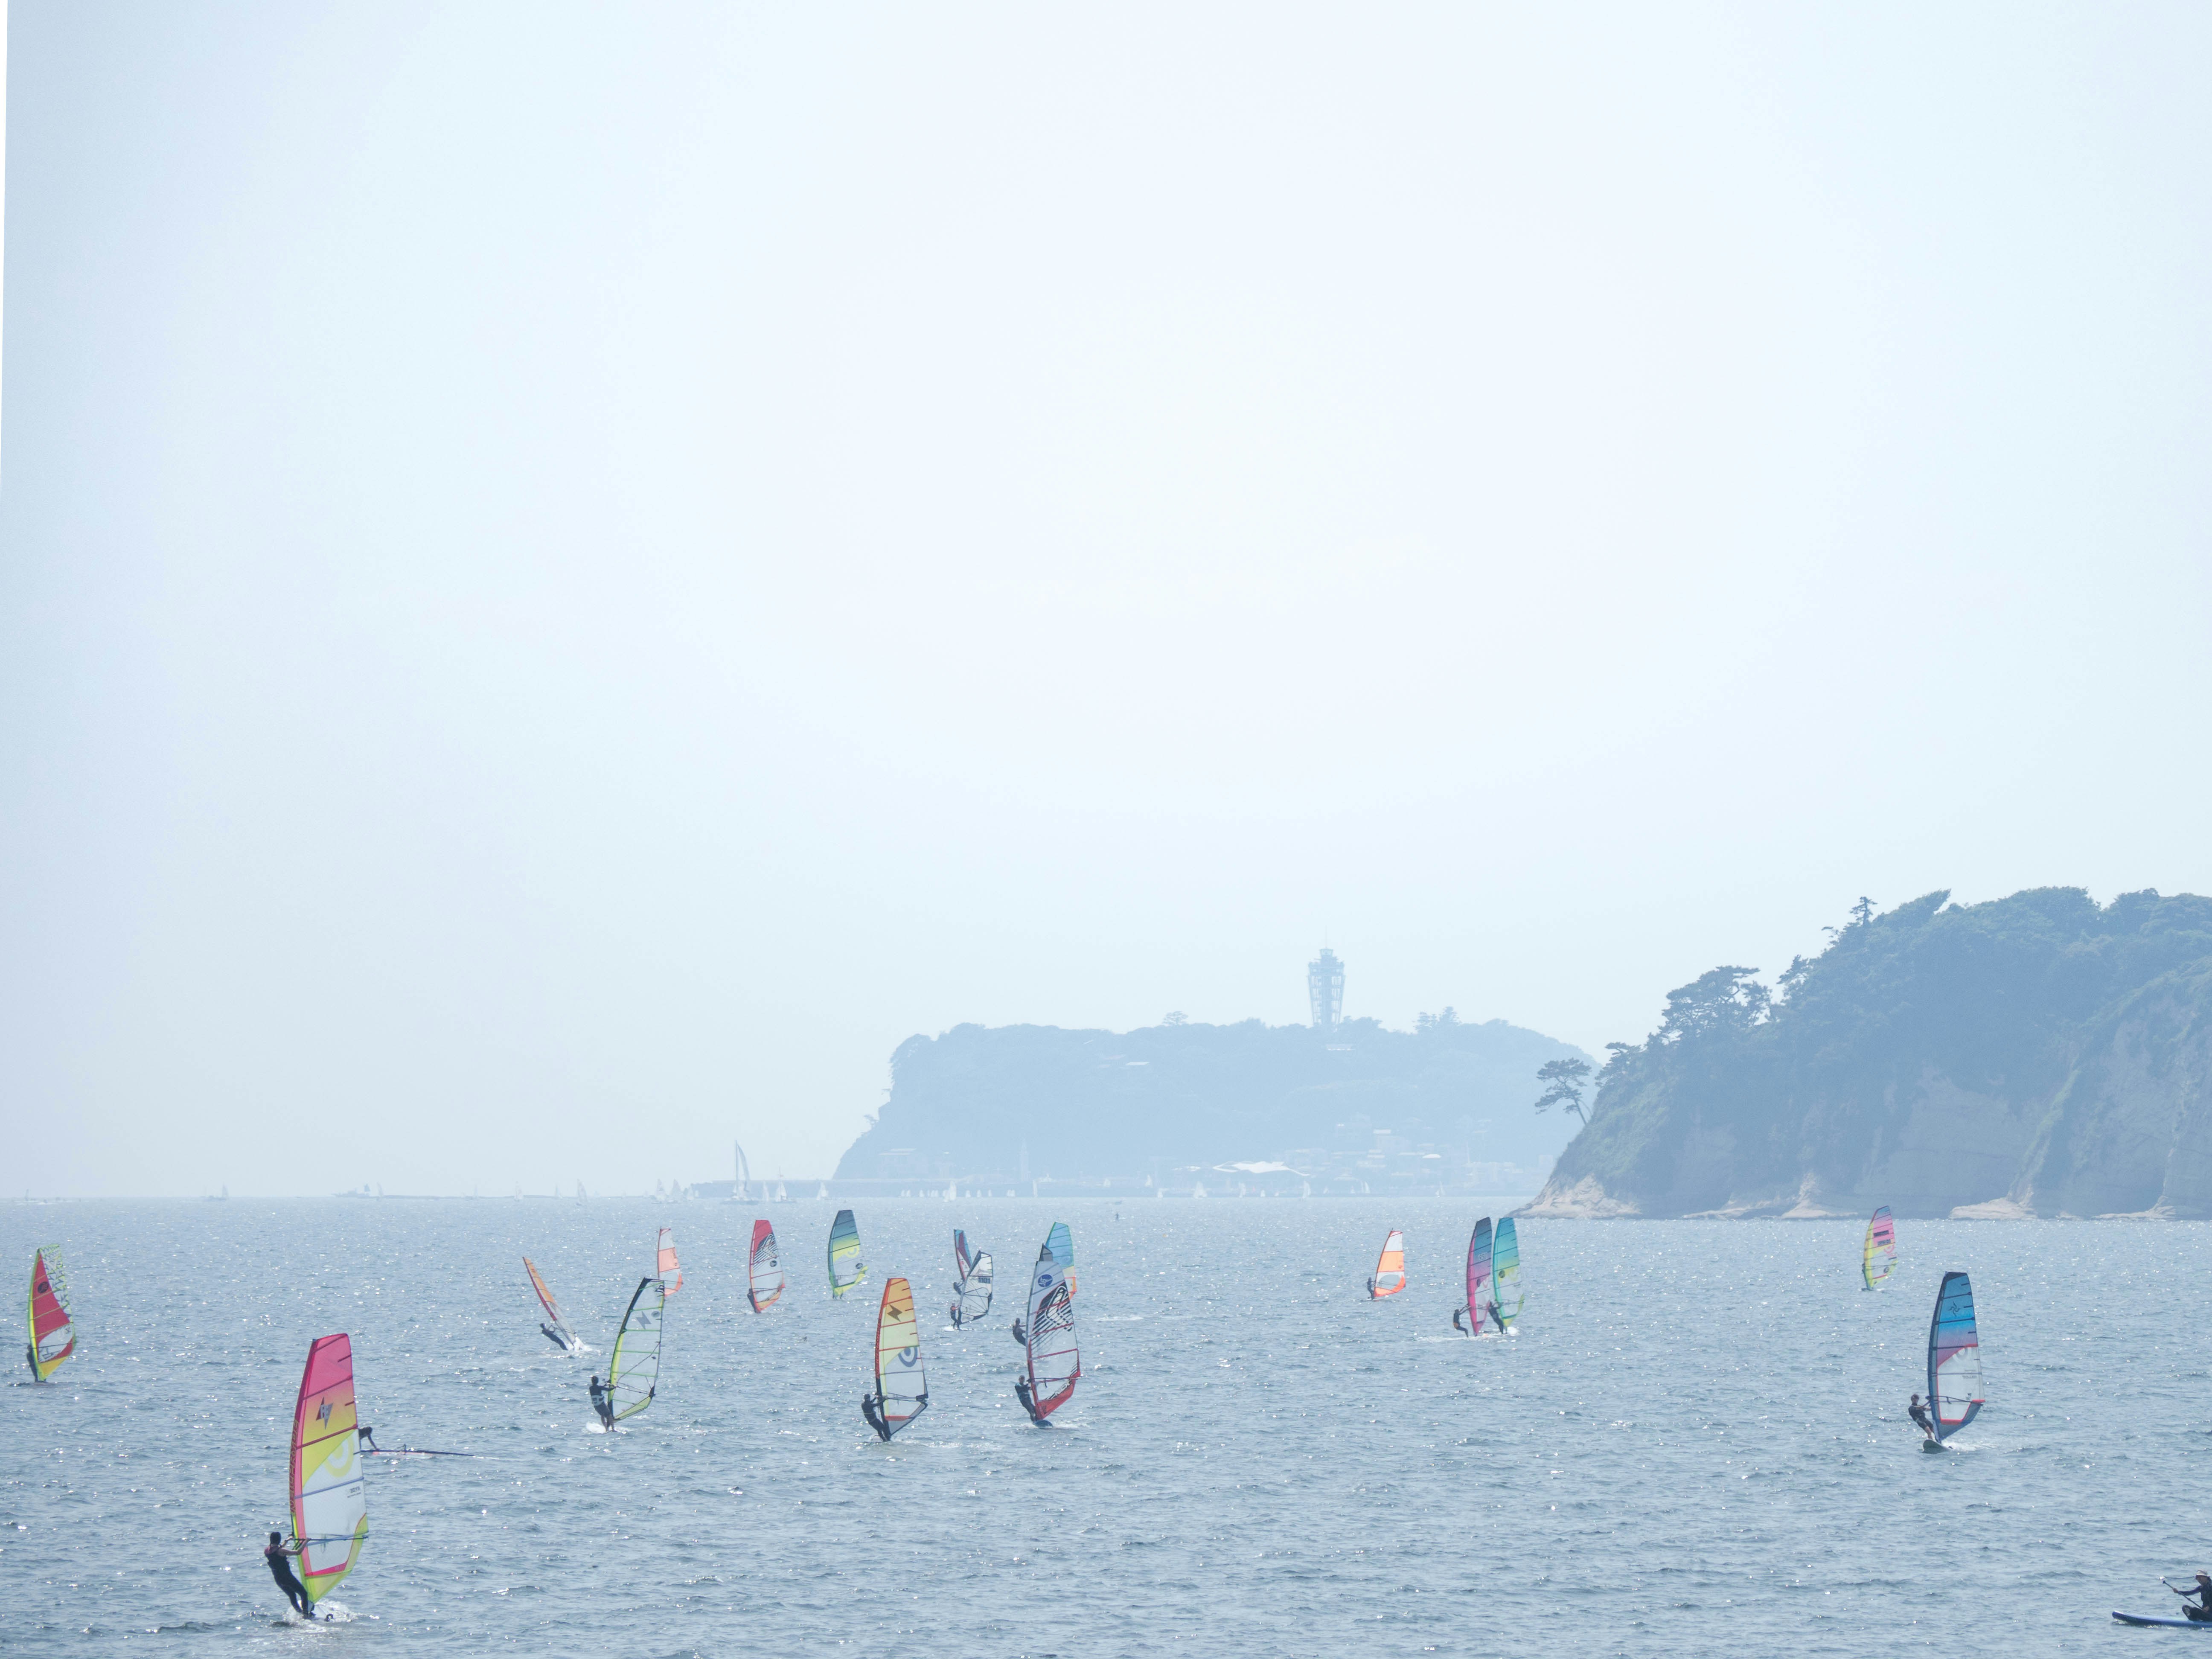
[1061, 1243]
[1506, 1294]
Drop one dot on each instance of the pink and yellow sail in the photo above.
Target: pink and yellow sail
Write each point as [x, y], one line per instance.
[54, 1333]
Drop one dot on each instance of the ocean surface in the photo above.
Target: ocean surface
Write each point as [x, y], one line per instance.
[1695, 1442]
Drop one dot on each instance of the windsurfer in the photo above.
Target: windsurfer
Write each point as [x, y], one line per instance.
[367, 1438]
[1918, 1413]
[2202, 1590]
[295, 1593]
[1459, 1320]
[553, 1336]
[1029, 1404]
[1021, 1331]
[874, 1413]
[602, 1404]
[1495, 1317]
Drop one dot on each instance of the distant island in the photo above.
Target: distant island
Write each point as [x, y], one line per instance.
[2035, 1055]
[1346, 1108]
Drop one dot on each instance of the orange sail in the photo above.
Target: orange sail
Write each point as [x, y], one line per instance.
[671, 1275]
[1389, 1268]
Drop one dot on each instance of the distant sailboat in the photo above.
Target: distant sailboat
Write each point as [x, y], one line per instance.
[53, 1331]
[1506, 1294]
[901, 1389]
[1389, 1276]
[764, 1273]
[782, 1197]
[558, 1332]
[330, 1499]
[1955, 1358]
[971, 1284]
[1469, 1317]
[1880, 1253]
[846, 1268]
[633, 1368]
[665, 1267]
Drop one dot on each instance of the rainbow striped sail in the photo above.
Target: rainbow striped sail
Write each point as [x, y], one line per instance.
[1881, 1249]
[846, 1268]
[1954, 1358]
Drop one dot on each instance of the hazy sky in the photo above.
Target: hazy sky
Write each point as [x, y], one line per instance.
[570, 576]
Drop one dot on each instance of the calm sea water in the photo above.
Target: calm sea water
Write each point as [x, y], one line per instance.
[1696, 1442]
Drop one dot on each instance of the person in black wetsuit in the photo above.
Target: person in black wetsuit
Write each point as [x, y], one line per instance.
[1021, 1331]
[1459, 1320]
[2202, 1590]
[1029, 1403]
[874, 1413]
[281, 1569]
[553, 1336]
[367, 1438]
[1919, 1415]
[602, 1404]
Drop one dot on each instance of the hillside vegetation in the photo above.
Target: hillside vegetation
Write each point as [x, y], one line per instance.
[2036, 1055]
[979, 1103]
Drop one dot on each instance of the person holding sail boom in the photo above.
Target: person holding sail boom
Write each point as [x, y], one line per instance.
[874, 1414]
[1918, 1413]
[603, 1405]
[295, 1593]
[1029, 1404]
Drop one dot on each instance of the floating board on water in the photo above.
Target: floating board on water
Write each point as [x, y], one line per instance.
[2163, 1624]
[1933, 1445]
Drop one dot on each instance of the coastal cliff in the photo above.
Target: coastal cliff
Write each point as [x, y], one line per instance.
[2036, 1055]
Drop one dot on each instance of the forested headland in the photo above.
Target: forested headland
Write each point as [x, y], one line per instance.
[1445, 1106]
[2039, 1054]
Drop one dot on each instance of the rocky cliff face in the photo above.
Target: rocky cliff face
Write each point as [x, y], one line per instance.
[2036, 1055]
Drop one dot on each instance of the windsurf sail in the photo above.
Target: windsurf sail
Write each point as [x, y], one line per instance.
[846, 1268]
[664, 1268]
[1389, 1268]
[1506, 1294]
[1954, 1358]
[1881, 1247]
[971, 1286]
[1049, 1336]
[559, 1327]
[1478, 1276]
[1061, 1243]
[633, 1371]
[53, 1333]
[766, 1281]
[330, 1499]
[901, 1390]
